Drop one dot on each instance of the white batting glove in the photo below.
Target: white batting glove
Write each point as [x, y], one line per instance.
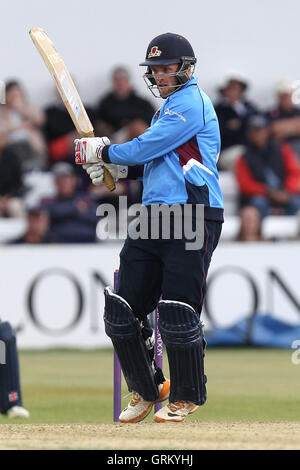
[89, 149]
[96, 172]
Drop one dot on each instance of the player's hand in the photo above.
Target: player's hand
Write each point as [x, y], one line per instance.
[89, 149]
[96, 172]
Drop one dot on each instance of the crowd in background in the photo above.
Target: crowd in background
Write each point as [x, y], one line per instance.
[40, 184]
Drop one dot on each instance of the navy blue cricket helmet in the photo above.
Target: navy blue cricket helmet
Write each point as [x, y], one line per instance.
[169, 48]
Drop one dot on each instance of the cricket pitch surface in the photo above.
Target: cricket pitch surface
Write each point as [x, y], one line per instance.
[141, 436]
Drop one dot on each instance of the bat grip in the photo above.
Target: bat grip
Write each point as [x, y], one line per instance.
[108, 180]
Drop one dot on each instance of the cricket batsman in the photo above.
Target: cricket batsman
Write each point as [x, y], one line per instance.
[176, 158]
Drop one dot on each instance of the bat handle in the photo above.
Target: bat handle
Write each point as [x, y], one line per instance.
[108, 180]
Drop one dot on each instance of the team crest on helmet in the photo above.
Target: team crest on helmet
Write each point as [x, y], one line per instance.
[155, 52]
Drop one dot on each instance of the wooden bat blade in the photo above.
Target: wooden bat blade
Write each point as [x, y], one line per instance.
[63, 80]
[66, 89]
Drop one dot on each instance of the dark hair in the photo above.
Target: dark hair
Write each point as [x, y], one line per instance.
[10, 84]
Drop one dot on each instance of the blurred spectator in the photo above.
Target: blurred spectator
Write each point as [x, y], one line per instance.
[72, 214]
[37, 228]
[21, 123]
[285, 117]
[122, 115]
[101, 194]
[233, 110]
[10, 181]
[60, 134]
[268, 175]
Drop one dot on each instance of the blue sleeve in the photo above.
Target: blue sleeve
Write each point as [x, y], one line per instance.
[179, 121]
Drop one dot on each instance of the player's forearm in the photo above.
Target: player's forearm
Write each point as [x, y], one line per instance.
[154, 143]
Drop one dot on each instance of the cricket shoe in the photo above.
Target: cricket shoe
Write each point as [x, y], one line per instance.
[138, 408]
[175, 412]
[17, 412]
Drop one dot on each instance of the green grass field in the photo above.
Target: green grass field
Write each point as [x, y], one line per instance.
[243, 385]
[253, 403]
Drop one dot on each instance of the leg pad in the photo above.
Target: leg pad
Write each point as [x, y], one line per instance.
[182, 335]
[124, 330]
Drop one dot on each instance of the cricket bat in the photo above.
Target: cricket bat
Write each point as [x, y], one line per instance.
[66, 89]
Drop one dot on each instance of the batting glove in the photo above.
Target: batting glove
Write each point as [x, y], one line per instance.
[96, 172]
[89, 149]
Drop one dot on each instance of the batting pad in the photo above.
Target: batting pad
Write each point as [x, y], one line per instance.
[182, 335]
[124, 330]
[10, 388]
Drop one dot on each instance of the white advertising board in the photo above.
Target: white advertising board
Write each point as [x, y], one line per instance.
[53, 295]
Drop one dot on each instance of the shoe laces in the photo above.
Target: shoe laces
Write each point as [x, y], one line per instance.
[179, 405]
[136, 398]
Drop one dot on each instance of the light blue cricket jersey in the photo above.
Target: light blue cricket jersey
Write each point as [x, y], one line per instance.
[179, 152]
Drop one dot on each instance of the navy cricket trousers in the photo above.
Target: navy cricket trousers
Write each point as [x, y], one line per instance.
[150, 269]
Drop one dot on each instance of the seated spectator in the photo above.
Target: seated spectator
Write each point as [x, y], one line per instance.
[60, 134]
[122, 111]
[268, 175]
[233, 110]
[285, 117]
[21, 123]
[11, 182]
[122, 115]
[37, 228]
[72, 214]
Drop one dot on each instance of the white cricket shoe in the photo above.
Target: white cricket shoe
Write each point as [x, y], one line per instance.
[175, 412]
[18, 412]
[138, 408]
